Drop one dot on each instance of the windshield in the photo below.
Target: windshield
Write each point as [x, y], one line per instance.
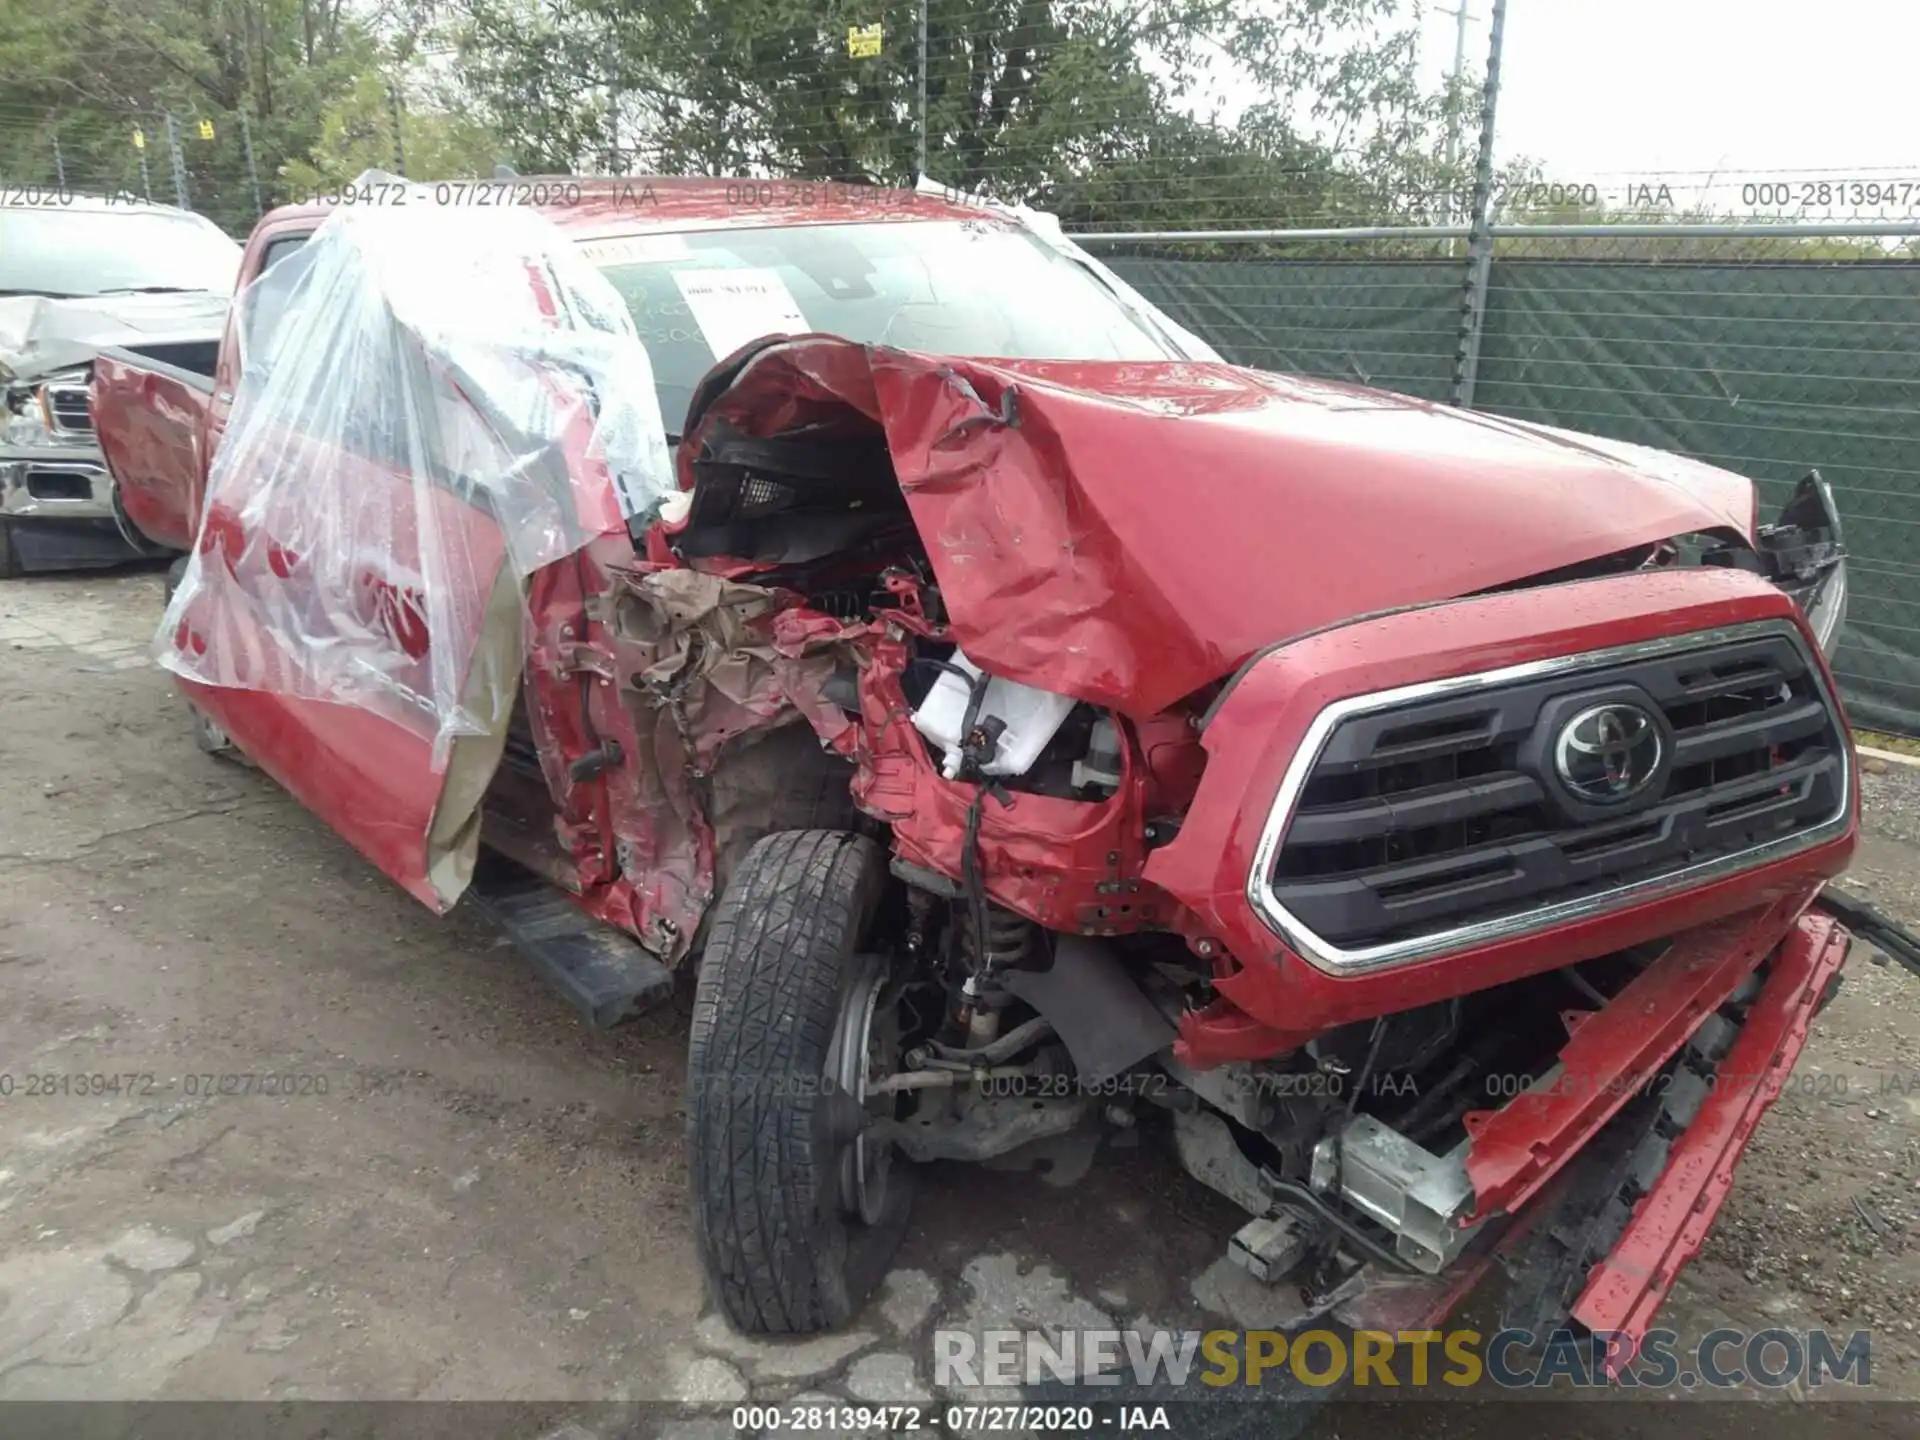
[960, 287]
[48, 250]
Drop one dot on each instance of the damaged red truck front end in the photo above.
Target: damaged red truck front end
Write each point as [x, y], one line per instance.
[1421, 812]
[1432, 955]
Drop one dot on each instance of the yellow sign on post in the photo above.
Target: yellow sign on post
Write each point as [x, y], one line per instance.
[863, 41]
[139, 139]
[206, 129]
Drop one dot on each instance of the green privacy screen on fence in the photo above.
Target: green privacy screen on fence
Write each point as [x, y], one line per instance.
[1766, 368]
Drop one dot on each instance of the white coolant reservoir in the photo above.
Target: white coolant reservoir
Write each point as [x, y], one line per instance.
[1031, 717]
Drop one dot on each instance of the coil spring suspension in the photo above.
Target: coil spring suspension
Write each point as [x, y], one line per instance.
[1009, 939]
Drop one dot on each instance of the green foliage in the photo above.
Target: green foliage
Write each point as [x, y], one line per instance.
[85, 76]
[1092, 108]
[368, 128]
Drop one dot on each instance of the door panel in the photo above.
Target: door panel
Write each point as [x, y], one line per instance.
[272, 597]
[150, 419]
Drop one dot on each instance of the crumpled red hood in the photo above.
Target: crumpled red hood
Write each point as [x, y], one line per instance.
[1127, 532]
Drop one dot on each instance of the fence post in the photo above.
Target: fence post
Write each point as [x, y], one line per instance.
[614, 164]
[59, 167]
[920, 130]
[179, 162]
[399, 142]
[1473, 291]
[253, 170]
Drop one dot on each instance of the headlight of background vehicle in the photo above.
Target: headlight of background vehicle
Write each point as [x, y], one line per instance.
[28, 414]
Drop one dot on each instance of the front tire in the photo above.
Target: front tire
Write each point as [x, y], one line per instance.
[10, 566]
[771, 1134]
[208, 734]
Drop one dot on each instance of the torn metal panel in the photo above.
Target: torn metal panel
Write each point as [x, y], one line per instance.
[1126, 533]
[726, 703]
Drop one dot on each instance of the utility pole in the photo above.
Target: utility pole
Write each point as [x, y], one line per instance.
[616, 164]
[1461, 15]
[1473, 299]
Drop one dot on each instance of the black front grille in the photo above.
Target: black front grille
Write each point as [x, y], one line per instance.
[1450, 811]
[69, 408]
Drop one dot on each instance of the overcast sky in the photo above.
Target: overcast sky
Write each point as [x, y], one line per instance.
[1616, 91]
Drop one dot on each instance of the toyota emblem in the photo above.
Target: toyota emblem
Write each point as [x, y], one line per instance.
[1609, 753]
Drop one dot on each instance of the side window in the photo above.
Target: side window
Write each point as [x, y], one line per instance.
[266, 298]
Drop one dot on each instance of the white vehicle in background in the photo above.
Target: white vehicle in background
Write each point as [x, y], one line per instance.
[78, 273]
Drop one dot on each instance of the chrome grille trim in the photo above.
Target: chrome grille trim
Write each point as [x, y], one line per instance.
[67, 403]
[1336, 960]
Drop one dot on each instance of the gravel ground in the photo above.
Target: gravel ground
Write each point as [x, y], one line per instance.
[488, 1201]
[1828, 1204]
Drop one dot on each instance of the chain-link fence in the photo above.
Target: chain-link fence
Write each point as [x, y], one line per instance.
[1769, 355]
[200, 160]
[1177, 113]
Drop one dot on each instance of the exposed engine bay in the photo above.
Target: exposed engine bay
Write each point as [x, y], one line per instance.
[1026, 980]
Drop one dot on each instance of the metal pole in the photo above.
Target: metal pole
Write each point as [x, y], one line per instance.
[253, 170]
[1473, 297]
[1460, 17]
[920, 137]
[179, 162]
[614, 164]
[1635, 230]
[59, 167]
[399, 143]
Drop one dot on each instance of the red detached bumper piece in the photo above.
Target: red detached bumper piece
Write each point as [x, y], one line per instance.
[1625, 1290]
[1615, 1052]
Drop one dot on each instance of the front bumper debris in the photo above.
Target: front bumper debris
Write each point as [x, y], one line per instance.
[1674, 1205]
[1615, 1053]
[59, 513]
[55, 488]
[1625, 1289]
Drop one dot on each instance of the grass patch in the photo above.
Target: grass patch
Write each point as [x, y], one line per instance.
[1898, 744]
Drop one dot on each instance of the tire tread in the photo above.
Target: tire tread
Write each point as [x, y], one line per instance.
[776, 962]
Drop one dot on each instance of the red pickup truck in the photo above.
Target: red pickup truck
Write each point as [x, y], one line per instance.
[1418, 814]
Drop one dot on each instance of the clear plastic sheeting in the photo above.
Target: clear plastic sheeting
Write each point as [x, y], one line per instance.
[436, 401]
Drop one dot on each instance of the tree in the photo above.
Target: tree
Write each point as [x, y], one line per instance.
[1091, 107]
[369, 129]
[86, 78]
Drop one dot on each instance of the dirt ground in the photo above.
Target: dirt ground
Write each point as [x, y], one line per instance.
[468, 1195]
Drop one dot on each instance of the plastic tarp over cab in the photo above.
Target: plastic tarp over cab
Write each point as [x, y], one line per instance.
[448, 400]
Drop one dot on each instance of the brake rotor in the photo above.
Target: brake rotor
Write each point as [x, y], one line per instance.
[866, 1041]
